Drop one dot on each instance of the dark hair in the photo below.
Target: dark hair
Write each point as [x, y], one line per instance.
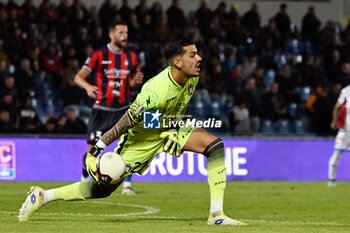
[175, 47]
[114, 24]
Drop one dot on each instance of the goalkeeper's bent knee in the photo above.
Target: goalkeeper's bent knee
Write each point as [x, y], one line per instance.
[214, 147]
[100, 191]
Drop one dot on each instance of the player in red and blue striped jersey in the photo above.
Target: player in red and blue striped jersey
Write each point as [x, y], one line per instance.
[115, 71]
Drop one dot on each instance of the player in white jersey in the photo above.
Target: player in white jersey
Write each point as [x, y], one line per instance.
[341, 121]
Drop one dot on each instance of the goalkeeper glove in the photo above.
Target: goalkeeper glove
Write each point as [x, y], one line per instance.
[172, 145]
[90, 161]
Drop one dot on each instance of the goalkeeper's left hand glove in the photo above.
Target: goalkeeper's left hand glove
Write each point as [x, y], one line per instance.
[172, 145]
[90, 161]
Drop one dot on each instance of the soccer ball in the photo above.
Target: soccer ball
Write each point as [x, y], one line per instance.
[110, 168]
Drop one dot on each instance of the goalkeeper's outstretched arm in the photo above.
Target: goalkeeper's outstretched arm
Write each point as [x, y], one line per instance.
[121, 127]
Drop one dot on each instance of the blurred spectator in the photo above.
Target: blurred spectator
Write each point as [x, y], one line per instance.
[162, 30]
[221, 14]
[3, 55]
[334, 93]
[3, 69]
[283, 23]
[9, 88]
[322, 115]
[251, 20]
[5, 28]
[176, 17]
[52, 63]
[270, 32]
[125, 10]
[236, 34]
[146, 28]
[16, 45]
[345, 50]
[134, 30]
[63, 10]
[47, 13]
[204, 15]
[29, 13]
[275, 104]
[235, 81]
[141, 10]
[233, 14]
[310, 26]
[260, 81]
[62, 127]
[50, 126]
[7, 124]
[74, 124]
[249, 95]
[71, 93]
[24, 77]
[250, 65]
[344, 76]
[28, 117]
[286, 82]
[193, 33]
[9, 104]
[32, 41]
[97, 38]
[156, 13]
[106, 14]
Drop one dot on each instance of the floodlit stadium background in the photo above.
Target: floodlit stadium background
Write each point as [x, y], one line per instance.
[299, 141]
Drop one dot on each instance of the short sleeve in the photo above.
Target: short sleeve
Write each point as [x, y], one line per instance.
[146, 100]
[342, 97]
[91, 62]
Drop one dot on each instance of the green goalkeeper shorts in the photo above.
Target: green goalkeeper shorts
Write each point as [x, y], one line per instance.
[138, 154]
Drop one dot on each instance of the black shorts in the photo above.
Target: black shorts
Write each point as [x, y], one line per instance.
[101, 121]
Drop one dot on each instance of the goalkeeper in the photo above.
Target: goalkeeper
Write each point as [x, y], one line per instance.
[168, 93]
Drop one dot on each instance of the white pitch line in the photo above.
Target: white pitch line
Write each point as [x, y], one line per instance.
[153, 210]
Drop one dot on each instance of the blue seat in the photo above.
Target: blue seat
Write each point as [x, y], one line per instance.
[293, 109]
[281, 60]
[305, 93]
[267, 127]
[199, 109]
[216, 109]
[294, 47]
[300, 127]
[270, 77]
[284, 127]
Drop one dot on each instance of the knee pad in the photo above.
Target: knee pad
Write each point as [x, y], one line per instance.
[213, 147]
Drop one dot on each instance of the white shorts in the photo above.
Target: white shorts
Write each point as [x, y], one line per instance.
[342, 141]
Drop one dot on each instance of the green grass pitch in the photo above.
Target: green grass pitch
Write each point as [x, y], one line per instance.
[183, 207]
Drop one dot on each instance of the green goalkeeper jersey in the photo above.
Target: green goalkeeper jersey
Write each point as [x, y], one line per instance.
[162, 95]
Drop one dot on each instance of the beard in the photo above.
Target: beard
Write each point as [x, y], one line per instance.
[121, 44]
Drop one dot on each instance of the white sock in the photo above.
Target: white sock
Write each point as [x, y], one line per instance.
[333, 164]
[127, 184]
[216, 205]
[49, 195]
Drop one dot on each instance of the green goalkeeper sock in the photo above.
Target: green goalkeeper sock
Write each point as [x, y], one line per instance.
[75, 191]
[216, 178]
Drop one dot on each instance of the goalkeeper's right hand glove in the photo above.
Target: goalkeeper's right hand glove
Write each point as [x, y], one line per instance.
[90, 161]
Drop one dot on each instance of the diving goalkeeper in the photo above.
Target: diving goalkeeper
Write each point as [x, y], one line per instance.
[167, 94]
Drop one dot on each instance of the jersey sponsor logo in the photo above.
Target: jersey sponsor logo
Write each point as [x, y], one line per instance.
[190, 89]
[7, 160]
[126, 63]
[106, 62]
[116, 73]
[151, 120]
